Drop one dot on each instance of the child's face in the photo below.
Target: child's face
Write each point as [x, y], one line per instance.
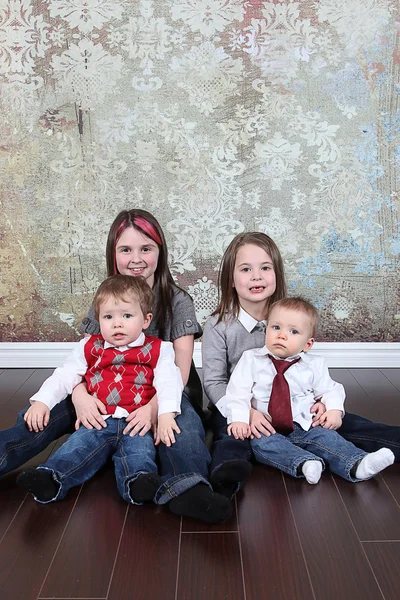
[288, 332]
[254, 276]
[121, 322]
[136, 254]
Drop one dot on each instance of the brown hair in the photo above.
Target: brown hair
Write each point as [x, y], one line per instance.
[146, 224]
[228, 299]
[126, 288]
[299, 304]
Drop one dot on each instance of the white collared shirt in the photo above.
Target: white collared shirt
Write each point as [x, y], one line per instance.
[167, 378]
[251, 383]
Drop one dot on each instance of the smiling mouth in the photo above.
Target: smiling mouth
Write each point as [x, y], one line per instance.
[257, 288]
[136, 269]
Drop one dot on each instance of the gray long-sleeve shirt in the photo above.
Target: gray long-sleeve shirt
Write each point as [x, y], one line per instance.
[222, 346]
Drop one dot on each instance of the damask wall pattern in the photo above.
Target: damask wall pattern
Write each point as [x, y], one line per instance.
[218, 117]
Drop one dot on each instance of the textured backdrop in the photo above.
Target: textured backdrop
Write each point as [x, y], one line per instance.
[218, 117]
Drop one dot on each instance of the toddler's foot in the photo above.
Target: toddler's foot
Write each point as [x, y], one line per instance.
[144, 487]
[200, 502]
[312, 470]
[374, 463]
[225, 478]
[39, 482]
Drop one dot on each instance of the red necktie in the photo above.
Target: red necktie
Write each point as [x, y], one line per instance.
[279, 406]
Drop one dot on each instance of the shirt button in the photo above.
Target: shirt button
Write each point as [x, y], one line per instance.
[189, 323]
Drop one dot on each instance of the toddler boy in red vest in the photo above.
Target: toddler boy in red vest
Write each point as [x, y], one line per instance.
[275, 387]
[124, 369]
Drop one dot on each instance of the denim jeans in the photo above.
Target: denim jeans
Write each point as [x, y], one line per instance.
[370, 436]
[18, 444]
[185, 463]
[288, 453]
[225, 447]
[87, 450]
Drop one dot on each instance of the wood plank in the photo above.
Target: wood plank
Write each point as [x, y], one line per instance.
[83, 563]
[357, 399]
[11, 381]
[20, 398]
[385, 560]
[383, 395]
[336, 562]
[372, 508]
[210, 567]
[147, 560]
[271, 550]
[28, 547]
[393, 375]
[392, 479]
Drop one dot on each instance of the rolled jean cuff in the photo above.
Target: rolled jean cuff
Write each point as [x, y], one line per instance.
[351, 465]
[57, 496]
[177, 485]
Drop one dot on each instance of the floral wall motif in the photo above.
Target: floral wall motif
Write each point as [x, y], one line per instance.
[217, 116]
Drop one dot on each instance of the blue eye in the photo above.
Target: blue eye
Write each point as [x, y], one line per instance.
[275, 327]
[294, 331]
[127, 316]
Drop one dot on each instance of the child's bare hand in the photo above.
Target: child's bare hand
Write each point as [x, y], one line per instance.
[166, 427]
[37, 416]
[89, 409]
[141, 420]
[239, 430]
[318, 408]
[260, 424]
[332, 419]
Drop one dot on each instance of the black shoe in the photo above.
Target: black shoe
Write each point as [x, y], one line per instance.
[39, 482]
[144, 487]
[226, 478]
[200, 502]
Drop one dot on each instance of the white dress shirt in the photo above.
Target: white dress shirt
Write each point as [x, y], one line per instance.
[251, 383]
[167, 378]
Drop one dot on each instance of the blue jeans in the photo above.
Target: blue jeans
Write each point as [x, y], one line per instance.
[87, 450]
[18, 444]
[288, 453]
[225, 447]
[185, 463]
[370, 436]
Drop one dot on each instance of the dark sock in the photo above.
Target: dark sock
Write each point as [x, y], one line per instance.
[226, 477]
[39, 482]
[200, 502]
[144, 487]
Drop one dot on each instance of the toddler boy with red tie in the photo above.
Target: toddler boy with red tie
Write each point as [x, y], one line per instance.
[283, 382]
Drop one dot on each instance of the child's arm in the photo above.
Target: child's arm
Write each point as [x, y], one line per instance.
[214, 364]
[183, 348]
[317, 409]
[260, 424]
[166, 427]
[331, 419]
[88, 409]
[240, 431]
[37, 416]
[331, 394]
[56, 388]
[239, 390]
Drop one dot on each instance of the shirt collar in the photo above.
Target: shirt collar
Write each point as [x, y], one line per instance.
[138, 342]
[264, 351]
[247, 320]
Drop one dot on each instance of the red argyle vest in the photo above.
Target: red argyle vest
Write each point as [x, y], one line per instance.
[121, 378]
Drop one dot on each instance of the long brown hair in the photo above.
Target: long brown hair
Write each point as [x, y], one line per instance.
[228, 305]
[147, 225]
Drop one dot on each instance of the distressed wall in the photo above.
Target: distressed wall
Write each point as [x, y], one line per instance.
[219, 117]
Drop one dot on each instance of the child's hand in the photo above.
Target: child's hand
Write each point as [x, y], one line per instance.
[88, 409]
[260, 424]
[166, 427]
[332, 419]
[239, 430]
[142, 420]
[37, 416]
[318, 408]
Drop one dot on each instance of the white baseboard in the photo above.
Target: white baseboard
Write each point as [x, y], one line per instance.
[340, 355]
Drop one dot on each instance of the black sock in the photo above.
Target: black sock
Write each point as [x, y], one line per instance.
[200, 502]
[39, 482]
[225, 478]
[144, 487]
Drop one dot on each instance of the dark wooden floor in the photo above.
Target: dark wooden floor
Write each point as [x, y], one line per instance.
[285, 540]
